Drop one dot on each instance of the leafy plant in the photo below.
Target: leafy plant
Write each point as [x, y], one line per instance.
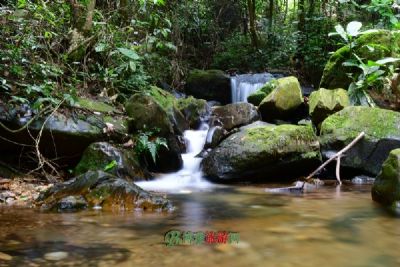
[146, 143]
[110, 166]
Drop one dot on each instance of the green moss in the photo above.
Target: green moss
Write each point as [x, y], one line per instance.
[94, 105]
[166, 100]
[348, 123]
[323, 103]
[204, 75]
[386, 188]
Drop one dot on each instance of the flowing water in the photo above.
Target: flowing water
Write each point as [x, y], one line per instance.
[190, 177]
[244, 85]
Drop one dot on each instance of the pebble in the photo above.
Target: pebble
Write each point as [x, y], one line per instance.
[56, 256]
[5, 257]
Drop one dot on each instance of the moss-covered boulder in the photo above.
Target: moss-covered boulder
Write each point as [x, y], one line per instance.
[195, 110]
[382, 135]
[235, 115]
[209, 85]
[386, 189]
[157, 110]
[111, 159]
[370, 46]
[263, 154]
[100, 189]
[283, 101]
[258, 96]
[323, 103]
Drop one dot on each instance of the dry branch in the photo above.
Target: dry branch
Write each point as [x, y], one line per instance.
[338, 155]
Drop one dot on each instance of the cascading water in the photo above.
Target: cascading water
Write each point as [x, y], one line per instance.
[246, 84]
[190, 176]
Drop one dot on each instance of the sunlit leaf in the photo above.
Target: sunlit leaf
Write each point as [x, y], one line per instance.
[353, 28]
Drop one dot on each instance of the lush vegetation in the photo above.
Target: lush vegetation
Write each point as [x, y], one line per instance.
[52, 50]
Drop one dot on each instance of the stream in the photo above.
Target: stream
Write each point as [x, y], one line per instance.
[340, 226]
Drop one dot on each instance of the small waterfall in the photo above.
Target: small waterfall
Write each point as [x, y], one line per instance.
[190, 176]
[246, 84]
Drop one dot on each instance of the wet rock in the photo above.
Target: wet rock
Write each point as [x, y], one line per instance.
[263, 153]
[156, 109]
[209, 85]
[56, 256]
[65, 136]
[323, 103]
[362, 179]
[386, 189]
[71, 203]
[5, 257]
[194, 110]
[235, 115]
[124, 161]
[283, 102]
[98, 188]
[382, 135]
[214, 136]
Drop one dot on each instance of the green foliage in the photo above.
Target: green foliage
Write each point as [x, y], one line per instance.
[110, 166]
[373, 73]
[386, 16]
[146, 143]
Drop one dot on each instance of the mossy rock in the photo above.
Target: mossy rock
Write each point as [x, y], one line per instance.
[323, 103]
[258, 96]
[98, 188]
[194, 110]
[386, 189]
[209, 85]
[283, 101]
[381, 128]
[263, 154]
[155, 109]
[124, 162]
[370, 46]
[93, 105]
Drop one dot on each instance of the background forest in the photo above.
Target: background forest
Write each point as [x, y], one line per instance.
[53, 50]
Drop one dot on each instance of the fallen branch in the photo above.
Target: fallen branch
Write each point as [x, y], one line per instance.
[338, 155]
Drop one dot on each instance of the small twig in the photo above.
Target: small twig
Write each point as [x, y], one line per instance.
[337, 155]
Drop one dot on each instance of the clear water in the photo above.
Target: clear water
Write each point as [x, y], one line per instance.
[244, 85]
[326, 227]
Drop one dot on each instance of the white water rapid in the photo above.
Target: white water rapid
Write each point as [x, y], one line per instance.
[246, 84]
[189, 178]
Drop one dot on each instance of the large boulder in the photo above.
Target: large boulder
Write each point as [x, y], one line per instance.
[235, 115]
[386, 189]
[323, 103]
[209, 85]
[156, 110]
[63, 136]
[283, 102]
[194, 110]
[382, 135]
[115, 160]
[100, 189]
[263, 153]
[258, 96]
[370, 46]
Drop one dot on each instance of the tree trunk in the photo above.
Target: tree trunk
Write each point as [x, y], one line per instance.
[251, 5]
[271, 14]
[123, 7]
[89, 16]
